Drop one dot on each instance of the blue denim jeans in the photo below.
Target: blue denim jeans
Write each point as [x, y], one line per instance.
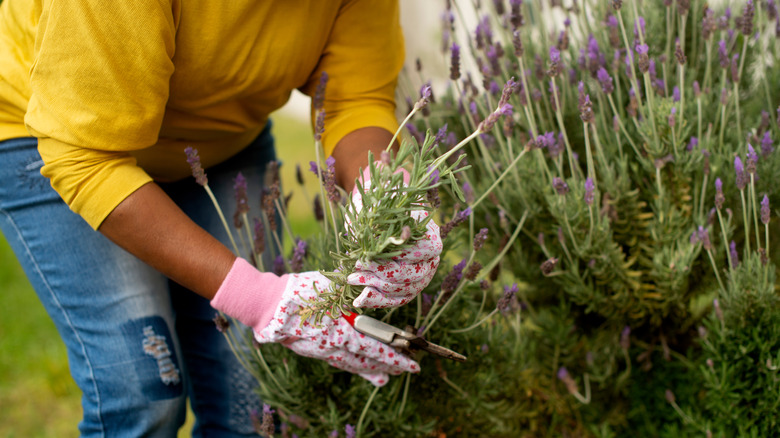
[138, 344]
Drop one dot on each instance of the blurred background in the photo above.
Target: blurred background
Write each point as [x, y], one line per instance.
[37, 395]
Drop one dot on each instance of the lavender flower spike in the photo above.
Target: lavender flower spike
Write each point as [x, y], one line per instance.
[605, 80]
[752, 160]
[734, 254]
[766, 144]
[765, 211]
[719, 197]
[560, 186]
[589, 189]
[741, 179]
[425, 94]
[455, 62]
[197, 171]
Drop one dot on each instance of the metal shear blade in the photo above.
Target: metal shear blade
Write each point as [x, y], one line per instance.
[398, 338]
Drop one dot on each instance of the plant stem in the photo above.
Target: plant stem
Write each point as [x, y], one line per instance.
[222, 218]
[359, 427]
[477, 324]
[725, 240]
[562, 127]
[499, 179]
[745, 222]
[753, 203]
[715, 268]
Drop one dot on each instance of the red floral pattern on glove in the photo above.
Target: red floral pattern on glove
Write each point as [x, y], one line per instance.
[334, 341]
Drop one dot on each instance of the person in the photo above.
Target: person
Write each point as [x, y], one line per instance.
[98, 101]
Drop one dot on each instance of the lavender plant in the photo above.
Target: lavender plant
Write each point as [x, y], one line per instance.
[624, 282]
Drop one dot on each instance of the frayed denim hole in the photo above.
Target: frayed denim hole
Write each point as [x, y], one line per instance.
[157, 367]
[29, 175]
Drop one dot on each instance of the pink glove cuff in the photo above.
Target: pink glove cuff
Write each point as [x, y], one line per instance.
[249, 295]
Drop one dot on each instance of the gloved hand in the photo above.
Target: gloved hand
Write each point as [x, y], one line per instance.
[270, 305]
[395, 282]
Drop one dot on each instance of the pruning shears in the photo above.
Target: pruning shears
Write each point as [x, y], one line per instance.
[397, 338]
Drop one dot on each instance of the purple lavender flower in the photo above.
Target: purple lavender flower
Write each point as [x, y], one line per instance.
[752, 160]
[548, 266]
[678, 53]
[457, 220]
[510, 87]
[330, 181]
[239, 187]
[766, 144]
[605, 80]
[734, 254]
[696, 89]
[560, 186]
[299, 252]
[555, 62]
[468, 193]
[350, 431]
[221, 323]
[671, 118]
[319, 124]
[259, 243]
[704, 238]
[747, 19]
[641, 22]
[264, 427]
[719, 197]
[508, 301]
[314, 168]
[319, 213]
[425, 97]
[718, 310]
[643, 61]
[735, 68]
[723, 56]
[694, 239]
[434, 178]
[741, 179]
[625, 338]
[452, 279]
[480, 238]
[676, 94]
[279, 268]
[589, 189]
[708, 23]
[318, 101]
[765, 212]
[194, 161]
[586, 110]
[568, 381]
[692, 144]
[415, 133]
[492, 118]
[455, 62]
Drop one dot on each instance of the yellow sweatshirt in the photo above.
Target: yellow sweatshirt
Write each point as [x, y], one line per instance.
[115, 90]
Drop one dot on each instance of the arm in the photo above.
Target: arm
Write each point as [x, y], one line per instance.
[149, 225]
[351, 153]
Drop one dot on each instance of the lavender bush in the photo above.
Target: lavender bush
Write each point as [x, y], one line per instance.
[607, 264]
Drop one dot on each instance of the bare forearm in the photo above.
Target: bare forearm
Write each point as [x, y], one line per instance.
[351, 153]
[149, 225]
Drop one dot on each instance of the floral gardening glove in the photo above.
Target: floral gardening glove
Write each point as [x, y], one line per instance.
[395, 282]
[271, 304]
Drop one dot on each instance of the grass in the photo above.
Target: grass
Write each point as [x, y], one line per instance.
[38, 397]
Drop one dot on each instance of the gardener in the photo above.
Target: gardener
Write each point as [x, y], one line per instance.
[98, 101]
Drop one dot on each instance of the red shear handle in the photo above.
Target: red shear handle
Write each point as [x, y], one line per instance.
[350, 317]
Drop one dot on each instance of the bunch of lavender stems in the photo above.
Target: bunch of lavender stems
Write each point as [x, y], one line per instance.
[374, 230]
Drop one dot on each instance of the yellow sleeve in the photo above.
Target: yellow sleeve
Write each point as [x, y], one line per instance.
[363, 56]
[99, 85]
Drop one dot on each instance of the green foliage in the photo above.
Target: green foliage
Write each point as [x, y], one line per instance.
[631, 313]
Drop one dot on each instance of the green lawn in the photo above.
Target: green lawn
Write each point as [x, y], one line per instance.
[37, 395]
